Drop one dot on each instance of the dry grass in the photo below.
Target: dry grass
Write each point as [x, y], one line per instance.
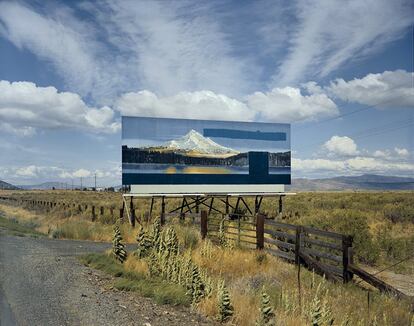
[382, 224]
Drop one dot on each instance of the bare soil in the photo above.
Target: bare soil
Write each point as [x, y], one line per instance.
[43, 283]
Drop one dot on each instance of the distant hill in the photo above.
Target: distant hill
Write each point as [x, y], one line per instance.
[362, 182]
[49, 185]
[8, 186]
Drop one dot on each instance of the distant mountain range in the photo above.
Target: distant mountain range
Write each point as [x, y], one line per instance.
[363, 182]
[49, 185]
[193, 141]
[8, 186]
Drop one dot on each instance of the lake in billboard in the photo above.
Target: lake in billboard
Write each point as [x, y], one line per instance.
[162, 151]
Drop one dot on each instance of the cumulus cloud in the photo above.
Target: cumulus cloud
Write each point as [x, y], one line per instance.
[288, 104]
[389, 89]
[350, 166]
[33, 174]
[28, 171]
[342, 146]
[201, 105]
[403, 152]
[24, 107]
[279, 105]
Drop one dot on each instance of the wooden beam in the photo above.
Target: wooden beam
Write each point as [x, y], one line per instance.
[377, 283]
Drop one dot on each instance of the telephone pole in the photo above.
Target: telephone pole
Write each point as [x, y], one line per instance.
[72, 184]
[81, 183]
[95, 181]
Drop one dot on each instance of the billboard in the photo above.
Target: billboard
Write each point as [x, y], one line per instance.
[164, 156]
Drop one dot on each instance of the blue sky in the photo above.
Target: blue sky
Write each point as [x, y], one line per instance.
[340, 72]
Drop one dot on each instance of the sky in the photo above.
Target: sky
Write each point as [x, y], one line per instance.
[341, 72]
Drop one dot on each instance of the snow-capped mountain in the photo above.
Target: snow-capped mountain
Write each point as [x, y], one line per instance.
[194, 141]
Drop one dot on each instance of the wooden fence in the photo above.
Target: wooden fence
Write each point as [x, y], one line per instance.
[326, 252]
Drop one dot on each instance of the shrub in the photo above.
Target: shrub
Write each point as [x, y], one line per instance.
[118, 247]
[144, 243]
[225, 308]
[266, 314]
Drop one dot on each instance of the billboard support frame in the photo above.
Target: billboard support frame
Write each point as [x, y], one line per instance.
[191, 201]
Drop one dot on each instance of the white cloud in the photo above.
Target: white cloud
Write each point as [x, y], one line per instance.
[128, 44]
[309, 165]
[403, 152]
[352, 166]
[28, 171]
[81, 173]
[34, 174]
[173, 46]
[331, 33]
[58, 39]
[342, 146]
[389, 89]
[201, 105]
[24, 107]
[381, 154]
[279, 105]
[289, 105]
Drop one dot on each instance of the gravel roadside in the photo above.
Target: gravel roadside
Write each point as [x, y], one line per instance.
[42, 283]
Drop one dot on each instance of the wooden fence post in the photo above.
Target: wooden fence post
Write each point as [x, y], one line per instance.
[259, 231]
[203, 224]
[297, 244]
[102, 210]
[93, 214]
[346, 244]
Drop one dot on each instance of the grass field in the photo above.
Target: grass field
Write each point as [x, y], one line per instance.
[382, 225]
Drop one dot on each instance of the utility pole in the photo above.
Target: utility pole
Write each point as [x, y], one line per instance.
[72, 184]
[95, 181]
[81, 183]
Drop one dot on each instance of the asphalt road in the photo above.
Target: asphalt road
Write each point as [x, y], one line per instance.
[42, 283]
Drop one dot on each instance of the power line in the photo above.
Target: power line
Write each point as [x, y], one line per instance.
[379, 130]
[355, 111]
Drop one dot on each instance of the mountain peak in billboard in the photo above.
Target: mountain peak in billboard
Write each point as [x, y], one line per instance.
[194, 141]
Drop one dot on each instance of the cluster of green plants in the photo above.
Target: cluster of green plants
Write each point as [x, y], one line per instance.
[160, 249]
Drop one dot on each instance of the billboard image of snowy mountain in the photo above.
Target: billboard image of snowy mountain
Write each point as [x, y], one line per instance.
[160, 146]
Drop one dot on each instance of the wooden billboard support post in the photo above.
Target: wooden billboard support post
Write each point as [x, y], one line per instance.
[227, 205]
[162, 210]
[203, 224]
[132, 215]
[152, 206]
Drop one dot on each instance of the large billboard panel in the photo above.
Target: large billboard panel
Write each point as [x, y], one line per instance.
[161, 155]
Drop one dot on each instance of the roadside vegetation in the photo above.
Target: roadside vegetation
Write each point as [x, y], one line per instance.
[236, 285]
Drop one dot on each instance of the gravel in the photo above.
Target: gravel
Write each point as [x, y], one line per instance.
[42, 283]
